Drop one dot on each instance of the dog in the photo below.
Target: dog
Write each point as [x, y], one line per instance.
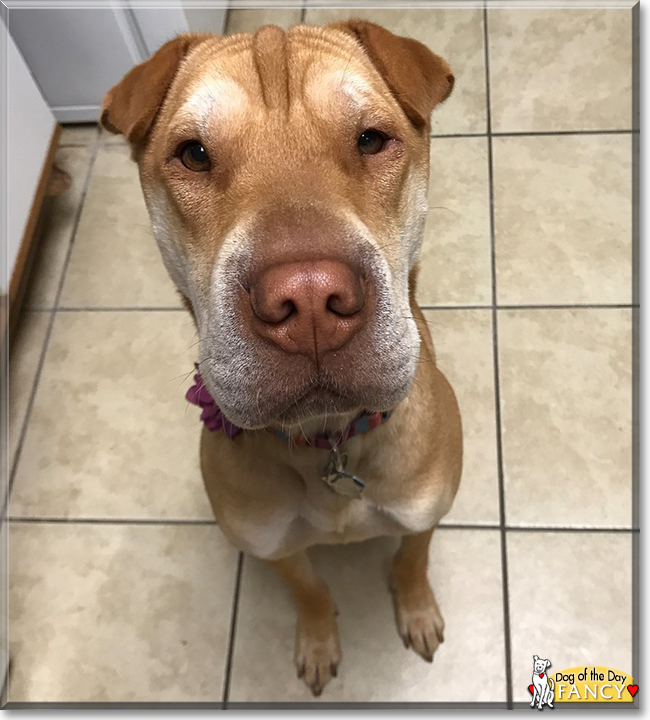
[543, 686]
[285, 174]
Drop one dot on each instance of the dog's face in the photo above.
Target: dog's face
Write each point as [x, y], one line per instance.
[539, 665]
[285, 175]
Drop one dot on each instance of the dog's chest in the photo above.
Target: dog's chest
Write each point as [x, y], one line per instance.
[305, 511]
[331, 518]
[343, 518]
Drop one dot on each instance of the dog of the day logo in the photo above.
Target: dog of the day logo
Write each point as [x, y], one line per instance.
[594, 683]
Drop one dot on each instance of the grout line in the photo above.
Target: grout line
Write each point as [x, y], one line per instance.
[533, 133]
[455, 307]
[636, 347]
[576, 306]
[22, 520]
[578, 529]
[466, 526]
[563, 133]
[453, 136]
[107, 521]
[50, 326]
[233, 632]
[497, 393]
[72, 144]
[121, 309]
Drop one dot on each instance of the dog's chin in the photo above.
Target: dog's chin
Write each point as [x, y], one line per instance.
[317, 405]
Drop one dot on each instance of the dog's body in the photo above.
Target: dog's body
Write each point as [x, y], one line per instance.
[292, 227]
[270, 500]
[543, 687]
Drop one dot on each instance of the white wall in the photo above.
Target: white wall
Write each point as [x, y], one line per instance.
[30, 125]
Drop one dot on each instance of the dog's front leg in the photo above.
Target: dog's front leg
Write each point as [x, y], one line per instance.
[318, 651]
[419, 621]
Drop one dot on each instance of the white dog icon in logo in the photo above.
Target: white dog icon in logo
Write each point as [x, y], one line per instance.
[543, 688]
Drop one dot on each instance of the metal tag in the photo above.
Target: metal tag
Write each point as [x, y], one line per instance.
[336, 477]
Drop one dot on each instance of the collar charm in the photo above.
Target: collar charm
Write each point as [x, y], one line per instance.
[336, 477]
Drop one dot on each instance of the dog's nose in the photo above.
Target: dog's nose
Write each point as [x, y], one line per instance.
[311, 307]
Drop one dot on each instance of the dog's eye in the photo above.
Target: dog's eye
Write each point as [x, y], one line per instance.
[371, 142]
[194, 156]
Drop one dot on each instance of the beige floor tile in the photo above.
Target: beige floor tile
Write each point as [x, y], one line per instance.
[560, 69]
[563, 230]
[246, 21]
[102, 613]
[456, 35]
[78, 134]
[570, 602]
[58, 228]
[375, 666]
[566, 414]
[463, 342]
[111, 434]
[115, 261]
[109, 138]
[455, 264]
[26, 349]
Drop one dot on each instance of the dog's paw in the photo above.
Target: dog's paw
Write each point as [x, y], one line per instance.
[419, 621]
[318, 651]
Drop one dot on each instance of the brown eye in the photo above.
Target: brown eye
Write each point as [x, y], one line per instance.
[194, 157]
[371, 142]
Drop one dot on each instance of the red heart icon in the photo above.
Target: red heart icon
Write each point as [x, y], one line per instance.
[633, 689]
[541, 674]
[530, 689]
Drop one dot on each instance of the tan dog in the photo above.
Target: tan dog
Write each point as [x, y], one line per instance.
[286, 174]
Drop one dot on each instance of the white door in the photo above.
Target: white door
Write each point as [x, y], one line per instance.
[77, 54]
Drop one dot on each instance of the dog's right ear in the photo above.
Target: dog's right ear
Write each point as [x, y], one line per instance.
[131, 106]
[535, 658]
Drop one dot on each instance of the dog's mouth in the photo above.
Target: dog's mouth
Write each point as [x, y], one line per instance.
[318, 400]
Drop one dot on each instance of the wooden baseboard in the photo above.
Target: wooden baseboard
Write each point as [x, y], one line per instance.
[28, 244]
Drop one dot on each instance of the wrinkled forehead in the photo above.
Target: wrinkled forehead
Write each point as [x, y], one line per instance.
[305, 71]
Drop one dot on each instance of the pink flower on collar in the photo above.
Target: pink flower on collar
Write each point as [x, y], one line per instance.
[211, 415]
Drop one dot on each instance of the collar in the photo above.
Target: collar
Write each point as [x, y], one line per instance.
[216, 421]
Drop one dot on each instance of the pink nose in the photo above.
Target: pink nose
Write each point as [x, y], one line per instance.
[311, 307]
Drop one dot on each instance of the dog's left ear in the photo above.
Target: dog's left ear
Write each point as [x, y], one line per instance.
[418, 78]
[131, 106]
[548, 663]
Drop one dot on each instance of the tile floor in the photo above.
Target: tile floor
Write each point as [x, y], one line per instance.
[121, 586]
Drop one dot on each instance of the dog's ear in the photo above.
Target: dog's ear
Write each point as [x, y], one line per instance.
[131, 106]
[548, 663]
[418, 78]
[535, 658]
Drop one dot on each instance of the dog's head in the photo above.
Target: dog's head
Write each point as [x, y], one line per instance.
[285, 174]
[539, 665]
